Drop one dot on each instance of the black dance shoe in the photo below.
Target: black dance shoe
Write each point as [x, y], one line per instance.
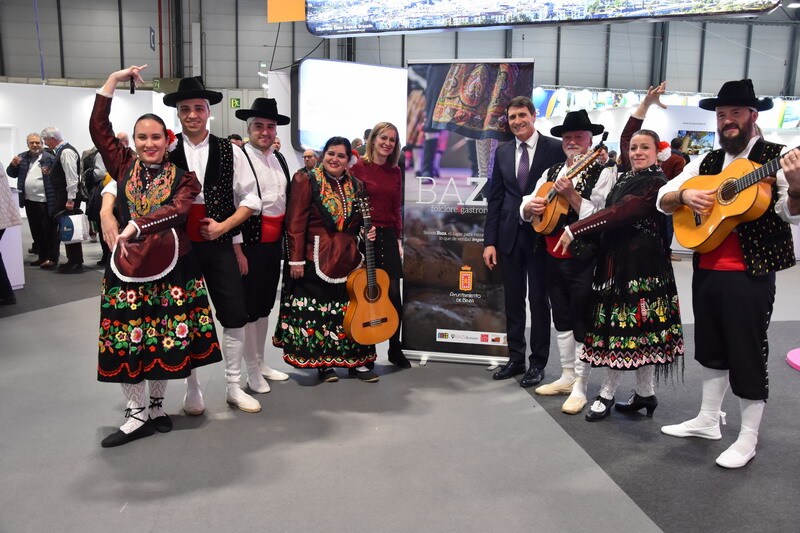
[593, 416]
[119, 437]
[637, 403]
[532, 377]
[367, 376]
[163, 423]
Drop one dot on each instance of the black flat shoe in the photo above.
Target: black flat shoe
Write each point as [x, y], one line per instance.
[327, 375]
[637, 403]
[162, 424]
[120, 437]
[70, 268]
[397, 358]
[509, 370]
[593, 416]
[8, 301]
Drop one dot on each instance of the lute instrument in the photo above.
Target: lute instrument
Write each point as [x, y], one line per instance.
[557, 207]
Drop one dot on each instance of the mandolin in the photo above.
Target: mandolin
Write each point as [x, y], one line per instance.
[370, 317]
[741, 195]
[557, 206]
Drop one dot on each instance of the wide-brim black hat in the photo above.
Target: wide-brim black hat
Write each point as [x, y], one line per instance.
[577, 121]
[190, 88]
[736, 93]
[263, 108]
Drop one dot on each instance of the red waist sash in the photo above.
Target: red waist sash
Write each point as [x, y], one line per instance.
[271, 228]
[196, 214]
[551, 241]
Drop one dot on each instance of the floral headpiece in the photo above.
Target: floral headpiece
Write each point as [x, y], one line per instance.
[173, 141]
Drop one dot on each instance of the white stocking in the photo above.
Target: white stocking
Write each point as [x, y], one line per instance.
[610, 383]
[645, 381]
[157, 390]
[566, 350]
[752, 411]
[715, 385]
[261, 332]
[233, 340]
[134, 392]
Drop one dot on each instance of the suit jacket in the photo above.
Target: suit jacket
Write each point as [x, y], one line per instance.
[502, 220]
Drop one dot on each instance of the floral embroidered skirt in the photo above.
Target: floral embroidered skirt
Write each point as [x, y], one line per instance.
[156, 330]
[310, 329]
[634, 325]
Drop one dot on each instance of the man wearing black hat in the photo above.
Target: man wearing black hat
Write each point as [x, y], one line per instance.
[260, 254]
[733, 287]
[517, 164]
[568, 275]
[229, 197]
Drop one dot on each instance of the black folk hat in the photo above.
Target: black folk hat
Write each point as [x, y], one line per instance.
[736, 93]
[263, 108]
[577, 121]
[190, 88]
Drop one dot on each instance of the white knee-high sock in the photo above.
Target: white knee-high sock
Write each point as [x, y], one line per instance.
[715, 385]
[134, 414]
[157, 390]
[261, 327]
[645, 381]
[610, 383]
[566, 350]
[752, 411]
[233, 339]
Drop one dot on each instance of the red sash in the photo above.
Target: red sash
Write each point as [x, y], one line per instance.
[727, 256]
[196, 214]
[551, 241]
[271, 228]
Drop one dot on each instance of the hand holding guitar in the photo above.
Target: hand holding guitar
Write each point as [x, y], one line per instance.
[699, 201]
[535, 206]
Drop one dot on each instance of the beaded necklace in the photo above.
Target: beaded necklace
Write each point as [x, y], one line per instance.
[146, 189]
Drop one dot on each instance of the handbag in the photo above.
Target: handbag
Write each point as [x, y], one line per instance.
[149, 257]
[73, 228]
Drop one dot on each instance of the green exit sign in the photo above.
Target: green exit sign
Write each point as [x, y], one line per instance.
[236, 103]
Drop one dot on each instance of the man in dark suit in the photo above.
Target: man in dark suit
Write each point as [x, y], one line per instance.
[517, 166]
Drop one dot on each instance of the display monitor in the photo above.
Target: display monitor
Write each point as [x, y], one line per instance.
[340, 98]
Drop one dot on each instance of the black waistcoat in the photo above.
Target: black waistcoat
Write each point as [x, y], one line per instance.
[217, 182]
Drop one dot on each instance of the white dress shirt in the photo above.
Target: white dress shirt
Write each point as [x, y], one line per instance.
[69, 162]
[271, 180]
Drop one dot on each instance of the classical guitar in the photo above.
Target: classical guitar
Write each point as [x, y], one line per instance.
[741, 195]
[557, 206]
[370, 317]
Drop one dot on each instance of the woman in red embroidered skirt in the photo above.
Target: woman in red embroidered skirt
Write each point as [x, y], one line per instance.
[155, 318]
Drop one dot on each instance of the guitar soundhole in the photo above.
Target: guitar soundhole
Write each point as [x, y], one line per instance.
[372, 294]
[727, 192]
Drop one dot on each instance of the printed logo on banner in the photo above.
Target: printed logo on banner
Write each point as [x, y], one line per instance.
[470, 337]
[465, 278]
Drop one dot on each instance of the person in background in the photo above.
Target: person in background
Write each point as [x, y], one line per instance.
[276, 145]
[677, 146]
[322, 229]
[355, 143]
[310, 160]
[236, 139]
[156, 322]
[9, 217]
[29, 168]
[61, 189]
[381, 175]
[635, 321]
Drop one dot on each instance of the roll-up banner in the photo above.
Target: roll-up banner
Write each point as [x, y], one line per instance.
[453, 305]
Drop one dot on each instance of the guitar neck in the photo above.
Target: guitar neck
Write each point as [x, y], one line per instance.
[370, 254]
[766, 170]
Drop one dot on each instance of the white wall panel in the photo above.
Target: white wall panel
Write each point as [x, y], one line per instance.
[630, 56]
[725, 57]
[537, 43]
[430, 46]
[683, 50]
[768, 56]
[20, 48]
[583, 49]
[482, 44]
[385, 50]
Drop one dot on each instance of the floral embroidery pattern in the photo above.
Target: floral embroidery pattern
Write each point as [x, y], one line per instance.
[307, 336]
[146, 194]
[156, 330]
[331, 200]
